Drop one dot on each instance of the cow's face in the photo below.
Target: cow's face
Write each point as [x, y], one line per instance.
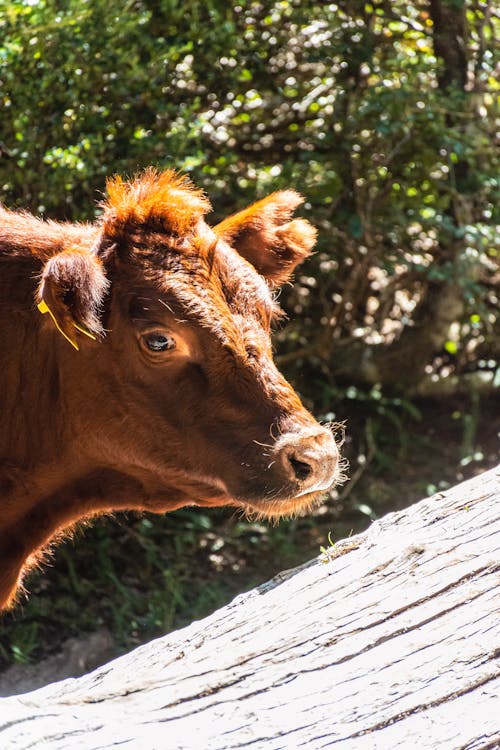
[189, 400]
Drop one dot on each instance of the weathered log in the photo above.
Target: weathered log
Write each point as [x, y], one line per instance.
[390, 641]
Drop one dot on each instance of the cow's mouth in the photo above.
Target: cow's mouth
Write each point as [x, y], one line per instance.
[261, 503]
[284, 507]
[291, 500]
[261, 508]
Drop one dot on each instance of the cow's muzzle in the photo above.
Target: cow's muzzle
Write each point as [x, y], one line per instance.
[309, 460]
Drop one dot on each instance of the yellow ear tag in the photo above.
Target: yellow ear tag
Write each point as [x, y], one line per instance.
[85, 331]
[44, 308]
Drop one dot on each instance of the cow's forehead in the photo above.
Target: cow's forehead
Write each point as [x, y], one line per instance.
[214, 286]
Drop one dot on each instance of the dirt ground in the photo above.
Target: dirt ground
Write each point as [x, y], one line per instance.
[448, 444]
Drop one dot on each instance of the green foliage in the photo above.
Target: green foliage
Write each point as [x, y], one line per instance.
[340, 100]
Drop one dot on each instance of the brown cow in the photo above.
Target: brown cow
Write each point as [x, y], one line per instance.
[149, 382]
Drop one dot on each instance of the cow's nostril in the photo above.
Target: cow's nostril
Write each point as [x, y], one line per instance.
[301, 469]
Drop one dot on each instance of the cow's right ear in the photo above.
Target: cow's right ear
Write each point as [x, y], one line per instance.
[72, 291]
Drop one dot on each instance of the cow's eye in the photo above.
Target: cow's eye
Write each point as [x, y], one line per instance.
[158, 342]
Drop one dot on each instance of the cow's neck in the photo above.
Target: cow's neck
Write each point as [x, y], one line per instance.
[27, 372]
[43, 510]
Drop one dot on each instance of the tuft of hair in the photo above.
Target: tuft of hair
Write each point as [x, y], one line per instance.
[166, 200]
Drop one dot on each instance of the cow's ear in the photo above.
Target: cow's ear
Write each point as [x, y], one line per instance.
[267, 236]
[72, 290]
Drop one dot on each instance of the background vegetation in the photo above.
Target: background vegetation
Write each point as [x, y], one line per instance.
[382, 114]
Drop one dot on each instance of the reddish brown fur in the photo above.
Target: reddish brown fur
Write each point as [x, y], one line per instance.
[175, 399]
[168, 200]
[267, 238]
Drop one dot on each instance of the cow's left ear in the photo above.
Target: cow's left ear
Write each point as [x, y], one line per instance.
[72, 291]
[266, 236]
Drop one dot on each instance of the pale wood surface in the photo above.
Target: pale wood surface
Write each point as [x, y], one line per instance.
[394, 642]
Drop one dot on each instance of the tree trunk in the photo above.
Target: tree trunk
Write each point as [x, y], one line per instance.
[404, 361]
[442, 304]
[389, 641]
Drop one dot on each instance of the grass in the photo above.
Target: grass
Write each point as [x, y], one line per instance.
[140, 577]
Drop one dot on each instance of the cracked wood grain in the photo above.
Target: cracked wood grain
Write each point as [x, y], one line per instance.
[393, 643]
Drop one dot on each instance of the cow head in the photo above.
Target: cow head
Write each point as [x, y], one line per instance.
[174, 382]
